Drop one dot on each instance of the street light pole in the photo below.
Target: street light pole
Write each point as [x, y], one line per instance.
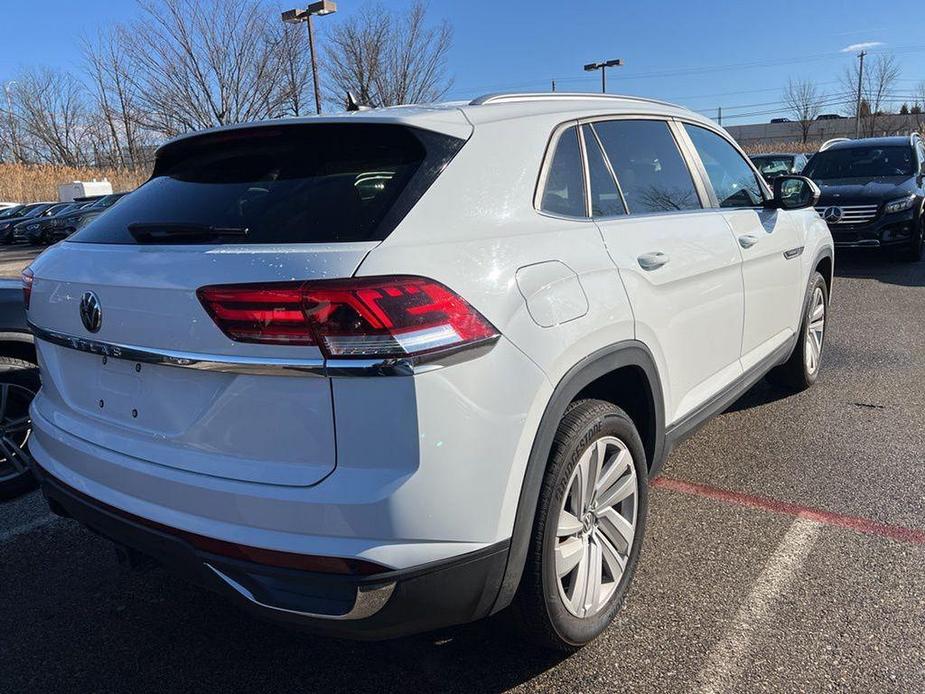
[320, 8]
[591, 67]
[311, 51]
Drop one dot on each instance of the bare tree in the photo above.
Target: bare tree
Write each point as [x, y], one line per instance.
[877, 86]
[195, 64]
[386, 58]
[803, 101]
[52, 114]
[122, 140]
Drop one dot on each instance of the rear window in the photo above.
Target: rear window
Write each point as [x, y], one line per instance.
[298, 183]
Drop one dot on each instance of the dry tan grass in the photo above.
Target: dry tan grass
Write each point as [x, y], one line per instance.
[770, 148]
[33, 182]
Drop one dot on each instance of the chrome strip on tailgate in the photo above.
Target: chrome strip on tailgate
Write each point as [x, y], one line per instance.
[261, 366]
[267, 366]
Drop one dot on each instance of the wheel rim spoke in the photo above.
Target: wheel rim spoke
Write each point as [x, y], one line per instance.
[618, 492]
[568, 554]
[580, 584]
[612, 472]
[595, 578]
[617, 529]
[568, 525]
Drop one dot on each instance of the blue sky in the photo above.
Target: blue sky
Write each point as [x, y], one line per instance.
[704, 55]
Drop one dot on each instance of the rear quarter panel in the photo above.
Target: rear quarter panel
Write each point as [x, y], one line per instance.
[474, 230]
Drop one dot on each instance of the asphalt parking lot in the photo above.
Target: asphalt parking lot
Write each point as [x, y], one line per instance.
[784, 552]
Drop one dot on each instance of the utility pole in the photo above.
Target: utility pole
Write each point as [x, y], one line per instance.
[296, 16]
[591, 67]
[554, 85]
[719, 115]
[857, 110]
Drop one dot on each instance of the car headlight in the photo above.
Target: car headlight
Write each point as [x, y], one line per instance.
[900, 205]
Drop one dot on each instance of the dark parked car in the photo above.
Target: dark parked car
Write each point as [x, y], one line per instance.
[829, 116]
[72, 221]
[19, 382]
[21, 229]
[872, 192]
[25, 212]
[47, 229]
[780, 120]
[773, 165]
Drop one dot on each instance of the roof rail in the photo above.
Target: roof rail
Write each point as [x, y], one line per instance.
[513, 97]
[834, 141]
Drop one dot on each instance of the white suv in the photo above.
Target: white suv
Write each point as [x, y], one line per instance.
[387, 371]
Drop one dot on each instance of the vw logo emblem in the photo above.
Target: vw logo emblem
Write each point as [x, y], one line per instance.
[832, 214]
[91, 314]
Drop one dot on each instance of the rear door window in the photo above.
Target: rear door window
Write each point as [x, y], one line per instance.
[652, 173]
[317, 183]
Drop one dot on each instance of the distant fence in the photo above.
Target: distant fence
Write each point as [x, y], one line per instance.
[39, 182]
[767, 136]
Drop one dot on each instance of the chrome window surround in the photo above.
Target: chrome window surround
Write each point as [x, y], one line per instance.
[268, 366]
[688, 153]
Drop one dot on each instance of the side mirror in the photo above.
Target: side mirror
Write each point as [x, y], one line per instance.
[794, 193]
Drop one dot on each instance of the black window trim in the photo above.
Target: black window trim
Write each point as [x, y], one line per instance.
[701, 190]
[551, 144]
[613, 175]
[705, 193]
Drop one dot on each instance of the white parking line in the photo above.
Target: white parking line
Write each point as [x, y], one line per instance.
[7, 535]
[727, 659]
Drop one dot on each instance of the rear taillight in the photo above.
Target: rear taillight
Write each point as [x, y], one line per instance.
[27, 279]
[364, 318]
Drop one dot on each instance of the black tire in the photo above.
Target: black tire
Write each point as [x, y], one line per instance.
[915, 251]
[539, 609]
[794, 375]
[20, 375]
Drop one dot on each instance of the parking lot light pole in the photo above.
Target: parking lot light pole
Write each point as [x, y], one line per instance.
[591, 67]
[320, 8]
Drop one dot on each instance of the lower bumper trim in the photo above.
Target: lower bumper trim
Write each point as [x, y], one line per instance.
[388, 604]
[369, 600]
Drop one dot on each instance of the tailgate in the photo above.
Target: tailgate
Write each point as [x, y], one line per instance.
[222, 414]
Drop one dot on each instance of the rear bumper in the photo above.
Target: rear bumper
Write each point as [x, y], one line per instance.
[380, 606]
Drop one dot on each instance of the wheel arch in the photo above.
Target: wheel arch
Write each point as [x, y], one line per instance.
[627, 364]
[18, 345]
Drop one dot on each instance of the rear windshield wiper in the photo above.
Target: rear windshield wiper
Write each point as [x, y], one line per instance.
[153, 232]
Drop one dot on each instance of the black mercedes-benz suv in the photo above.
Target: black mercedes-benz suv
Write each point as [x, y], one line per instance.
[872, 192]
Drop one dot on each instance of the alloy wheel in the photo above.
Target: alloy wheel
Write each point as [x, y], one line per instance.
[15, 428]
[596, 526]
[815, 331]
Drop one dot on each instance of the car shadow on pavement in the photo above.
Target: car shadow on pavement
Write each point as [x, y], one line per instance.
[96, 626]
[878, 265]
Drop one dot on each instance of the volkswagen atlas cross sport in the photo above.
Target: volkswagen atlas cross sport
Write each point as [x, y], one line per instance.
[873, 193]
[393, 370]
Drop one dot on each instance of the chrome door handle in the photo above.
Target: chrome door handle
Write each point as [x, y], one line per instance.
[652, 261]
[747, 240]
